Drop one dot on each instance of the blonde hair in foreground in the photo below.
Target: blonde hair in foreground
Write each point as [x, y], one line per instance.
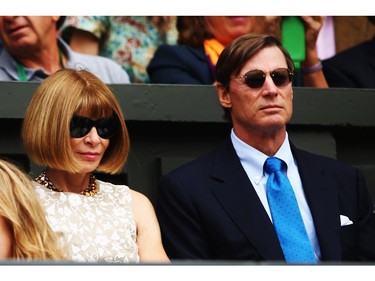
[46, 125]
[33, 239]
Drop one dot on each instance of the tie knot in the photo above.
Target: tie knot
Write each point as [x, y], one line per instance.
[274, 164]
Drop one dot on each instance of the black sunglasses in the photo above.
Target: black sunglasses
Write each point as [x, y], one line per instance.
[80, 126]
[280, 76]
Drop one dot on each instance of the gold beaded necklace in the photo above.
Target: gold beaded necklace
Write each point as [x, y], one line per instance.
[90, 190]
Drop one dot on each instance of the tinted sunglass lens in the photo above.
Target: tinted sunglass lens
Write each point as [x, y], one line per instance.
[79, 132]
[104, 132]
[80, 126]
[106, 127]
[281, 77]
[255, 79]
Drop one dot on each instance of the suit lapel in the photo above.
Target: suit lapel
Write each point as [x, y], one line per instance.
[322, 198]
[239, 199]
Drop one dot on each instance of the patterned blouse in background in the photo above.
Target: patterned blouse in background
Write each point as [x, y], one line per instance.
[130, 41]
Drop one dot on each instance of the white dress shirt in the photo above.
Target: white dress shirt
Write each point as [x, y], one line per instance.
[252, 161]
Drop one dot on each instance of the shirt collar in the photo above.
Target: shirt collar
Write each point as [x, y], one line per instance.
[254, 159]
[8, 63]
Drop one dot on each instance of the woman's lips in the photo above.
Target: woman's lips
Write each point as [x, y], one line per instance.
[90, 156]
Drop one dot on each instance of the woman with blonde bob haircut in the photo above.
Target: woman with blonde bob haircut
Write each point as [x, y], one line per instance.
[74, 126]
[24, 230]
[49, 114]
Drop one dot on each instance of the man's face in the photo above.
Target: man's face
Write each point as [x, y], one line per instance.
[266, 109]
[22, 34]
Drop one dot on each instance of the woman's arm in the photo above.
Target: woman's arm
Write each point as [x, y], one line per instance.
[148, 231]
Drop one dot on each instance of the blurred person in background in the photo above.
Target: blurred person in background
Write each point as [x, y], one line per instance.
[353, 67]
[202, 39]
[129, 40]
[33, 50]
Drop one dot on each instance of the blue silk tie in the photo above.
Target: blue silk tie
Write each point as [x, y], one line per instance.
[286, 215]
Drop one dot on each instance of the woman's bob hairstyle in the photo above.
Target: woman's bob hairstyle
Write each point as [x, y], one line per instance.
[46, 126]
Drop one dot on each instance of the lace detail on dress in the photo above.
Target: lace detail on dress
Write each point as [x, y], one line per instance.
[99, 228]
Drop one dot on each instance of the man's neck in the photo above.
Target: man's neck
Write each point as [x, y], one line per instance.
[267, 142]
[47, 58]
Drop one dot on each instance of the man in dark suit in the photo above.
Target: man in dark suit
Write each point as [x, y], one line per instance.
[216, 207]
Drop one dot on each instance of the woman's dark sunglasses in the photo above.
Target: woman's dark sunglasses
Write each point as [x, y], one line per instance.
[255, 78]
[80, 126]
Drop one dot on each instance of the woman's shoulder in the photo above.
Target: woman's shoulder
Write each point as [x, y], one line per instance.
[109, 186]
[106, 187]
[138, 196]
[138, 199]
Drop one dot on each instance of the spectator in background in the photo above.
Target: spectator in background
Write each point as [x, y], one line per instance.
[351, 31]
[202, 38]
[200, 41]
[74, 126]
[353, 67]
[326, 42]
[130, 41]
[33, 50]
[24, 231]
[337, 34]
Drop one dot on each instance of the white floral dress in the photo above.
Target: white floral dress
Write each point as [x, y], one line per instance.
[93, 229]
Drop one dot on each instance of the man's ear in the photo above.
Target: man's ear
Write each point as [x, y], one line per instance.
[223, 96]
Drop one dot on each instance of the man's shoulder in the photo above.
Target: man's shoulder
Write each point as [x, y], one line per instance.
[8, 71]
[94, 60]
[320, 161]
[105, 68]
[202, 164]
[197, 163]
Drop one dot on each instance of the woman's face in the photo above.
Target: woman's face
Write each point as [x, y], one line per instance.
[226, 29]
[89, 149]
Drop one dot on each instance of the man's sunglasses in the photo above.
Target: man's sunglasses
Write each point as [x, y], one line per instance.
[80, 126]
[255, 78]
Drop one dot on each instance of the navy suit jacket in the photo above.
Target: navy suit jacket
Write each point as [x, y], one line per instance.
[180, 64]
[209, 210]
[352, 68]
